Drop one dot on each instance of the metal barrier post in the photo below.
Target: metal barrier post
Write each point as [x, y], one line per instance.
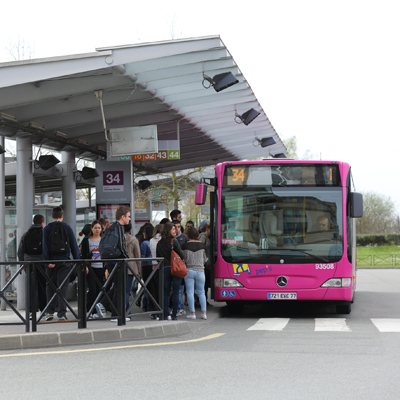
[121, 283]
[28, 294]
[161, 287]
[82, 295]
[32, 294]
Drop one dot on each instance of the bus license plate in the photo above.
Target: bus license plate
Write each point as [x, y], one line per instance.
[282, 296]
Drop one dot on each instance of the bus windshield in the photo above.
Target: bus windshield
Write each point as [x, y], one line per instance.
[281, 225]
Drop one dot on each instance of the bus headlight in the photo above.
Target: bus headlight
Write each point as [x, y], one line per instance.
[337, 282]
[227, 282]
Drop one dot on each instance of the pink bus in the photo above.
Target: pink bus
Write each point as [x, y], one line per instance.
[283, 230]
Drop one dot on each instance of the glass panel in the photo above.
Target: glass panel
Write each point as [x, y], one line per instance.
[283, 225]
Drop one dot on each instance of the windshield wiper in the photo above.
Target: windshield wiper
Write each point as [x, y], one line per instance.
[309, 254]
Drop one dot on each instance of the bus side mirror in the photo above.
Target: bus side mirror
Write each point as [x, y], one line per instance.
[356, 205]
[201, 194]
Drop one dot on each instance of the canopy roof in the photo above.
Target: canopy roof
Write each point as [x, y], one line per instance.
[145, 84]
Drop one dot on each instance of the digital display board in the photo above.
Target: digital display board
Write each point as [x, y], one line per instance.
[245, 175]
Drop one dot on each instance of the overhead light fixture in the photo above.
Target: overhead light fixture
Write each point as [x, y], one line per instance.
[82, 142]
[247, 117]
[2, 149]
[61, 135]
[144, 184]
[88, 173]
[278, 155]
[221, 81]
[8, 117]
[101, 148]
[36, 125]
[264, 142]
[46, 162]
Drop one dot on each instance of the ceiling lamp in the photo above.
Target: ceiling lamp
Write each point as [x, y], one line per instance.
[88, 173]
[221, 81]
[264, 142]
[144, 184]
[46, 162]
[278, 155]
[247, 117]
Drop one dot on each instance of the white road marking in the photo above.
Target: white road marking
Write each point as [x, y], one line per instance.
[269, 324]
[331, 325]
[387, 324]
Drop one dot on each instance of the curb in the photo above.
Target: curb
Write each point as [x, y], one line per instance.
[85, 337]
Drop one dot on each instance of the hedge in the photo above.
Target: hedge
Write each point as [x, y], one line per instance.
[378, 239]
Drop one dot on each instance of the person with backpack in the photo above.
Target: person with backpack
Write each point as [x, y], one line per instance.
[30, 249]
[113, 246]
[58, 243]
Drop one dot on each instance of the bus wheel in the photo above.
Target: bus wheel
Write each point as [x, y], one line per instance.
[343, 309]
[235, 307]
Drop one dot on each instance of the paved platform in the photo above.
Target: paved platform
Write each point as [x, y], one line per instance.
[64, 333]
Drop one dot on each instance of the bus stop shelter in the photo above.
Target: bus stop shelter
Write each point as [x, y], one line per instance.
[65, 103]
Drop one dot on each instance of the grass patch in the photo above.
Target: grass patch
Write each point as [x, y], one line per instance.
[371, 250]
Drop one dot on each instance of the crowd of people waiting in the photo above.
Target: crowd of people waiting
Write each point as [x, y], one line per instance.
[191, 244]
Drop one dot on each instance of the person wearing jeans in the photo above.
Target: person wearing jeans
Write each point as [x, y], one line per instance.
[195, 257]
[182, 239]
[164, 247]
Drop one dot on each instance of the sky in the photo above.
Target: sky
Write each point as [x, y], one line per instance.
[325, 72]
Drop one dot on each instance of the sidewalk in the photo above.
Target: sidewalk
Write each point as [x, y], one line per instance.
[64, 333]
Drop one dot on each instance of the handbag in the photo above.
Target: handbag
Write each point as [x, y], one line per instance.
[178, 266]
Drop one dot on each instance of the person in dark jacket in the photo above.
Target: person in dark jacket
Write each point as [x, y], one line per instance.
[122, 217]
[58, 272]
[164, 247]
[40, 289]
[182, 239]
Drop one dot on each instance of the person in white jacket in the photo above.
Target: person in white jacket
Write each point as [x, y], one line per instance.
[155, 239]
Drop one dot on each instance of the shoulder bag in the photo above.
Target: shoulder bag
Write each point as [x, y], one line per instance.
[178, 266]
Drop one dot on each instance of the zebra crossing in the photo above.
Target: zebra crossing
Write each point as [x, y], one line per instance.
[383, 325]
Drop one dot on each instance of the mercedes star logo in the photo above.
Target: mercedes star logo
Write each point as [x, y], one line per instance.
[281, 281]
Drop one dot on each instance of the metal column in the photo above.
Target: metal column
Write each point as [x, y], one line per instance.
[24, 202]
[69, 189]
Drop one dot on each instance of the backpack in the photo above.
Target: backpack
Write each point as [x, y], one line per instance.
[33, 241]
[58, 242]
[109, 243]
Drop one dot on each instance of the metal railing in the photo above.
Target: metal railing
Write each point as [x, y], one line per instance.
[378, 260]
[116, 278]
[24, 320]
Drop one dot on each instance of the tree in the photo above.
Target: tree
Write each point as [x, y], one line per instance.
[379, 214]
[291, 145]
[174, 187]
[190, 210]
[20, 49]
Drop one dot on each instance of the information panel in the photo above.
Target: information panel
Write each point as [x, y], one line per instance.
[114, 186]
